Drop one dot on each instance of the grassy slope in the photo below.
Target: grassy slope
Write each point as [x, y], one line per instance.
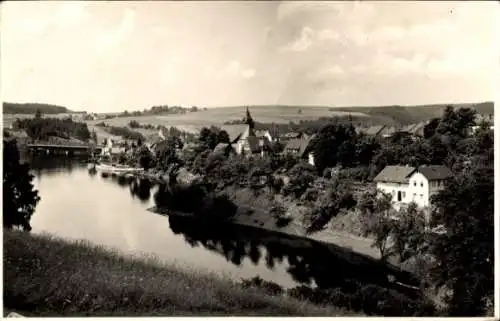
[51, 277]
[284, 114]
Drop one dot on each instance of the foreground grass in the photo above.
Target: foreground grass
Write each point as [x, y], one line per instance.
[46, 276]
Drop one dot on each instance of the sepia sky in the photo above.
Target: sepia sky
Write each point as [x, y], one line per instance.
[112, 56]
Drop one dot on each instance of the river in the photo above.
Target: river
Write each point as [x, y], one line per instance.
[77, 205]
[112, 212]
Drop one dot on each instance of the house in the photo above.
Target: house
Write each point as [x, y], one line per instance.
[300, 148]
[111, 147]
[246, 140]
[223, 148]
[481, 120]
[265, 133]
[372, 130]
[408, 184]
[286, 137]
[387, 131]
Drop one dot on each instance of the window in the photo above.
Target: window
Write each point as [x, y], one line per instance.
[421, 184]
[421, 196]
[414, 183]
[399, 196]
[404, 194]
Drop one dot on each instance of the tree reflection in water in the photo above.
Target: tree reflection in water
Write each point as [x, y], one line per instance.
[309, 262]
[140, 188]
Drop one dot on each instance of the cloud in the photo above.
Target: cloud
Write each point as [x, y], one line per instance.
[303, 42]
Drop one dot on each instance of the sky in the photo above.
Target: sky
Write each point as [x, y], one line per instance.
[114, 56]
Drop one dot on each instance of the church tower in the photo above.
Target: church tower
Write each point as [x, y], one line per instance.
[251, 125]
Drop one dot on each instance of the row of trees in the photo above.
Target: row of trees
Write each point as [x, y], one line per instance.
[41, 128]
[447, 141]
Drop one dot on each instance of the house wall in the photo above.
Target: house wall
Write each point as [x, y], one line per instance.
[393, 189]
[419, 189]
[310, 159]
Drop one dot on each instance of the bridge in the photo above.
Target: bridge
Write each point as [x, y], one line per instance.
[63, 149]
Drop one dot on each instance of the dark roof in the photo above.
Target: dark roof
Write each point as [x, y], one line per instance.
[253, 143]
[394, 174]
[298, 144]
[435, 172]
[223, 147]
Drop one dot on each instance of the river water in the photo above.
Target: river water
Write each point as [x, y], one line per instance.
[77, 205]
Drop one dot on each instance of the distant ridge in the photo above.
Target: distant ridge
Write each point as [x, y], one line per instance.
[31, 108]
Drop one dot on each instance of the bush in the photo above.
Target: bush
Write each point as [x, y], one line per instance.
[125, 133]
[134, 124]
[270, 288]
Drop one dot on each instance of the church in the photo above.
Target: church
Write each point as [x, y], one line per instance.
[245, 140]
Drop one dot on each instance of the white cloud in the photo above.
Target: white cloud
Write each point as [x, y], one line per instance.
[302, 43]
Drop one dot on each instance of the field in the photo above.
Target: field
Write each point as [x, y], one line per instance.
[46, 276]
[9, 119]
[194, 121]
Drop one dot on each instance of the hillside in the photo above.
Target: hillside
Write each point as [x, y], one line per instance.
[93, 281]
[31, 108]
[414, 114]
[194, 121]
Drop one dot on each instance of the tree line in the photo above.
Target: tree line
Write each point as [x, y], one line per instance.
[41, 128]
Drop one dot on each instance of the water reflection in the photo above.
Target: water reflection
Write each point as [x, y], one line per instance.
[40, 163]
[140, 188]
[309, 262]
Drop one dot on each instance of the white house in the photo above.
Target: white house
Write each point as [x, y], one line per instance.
[408, 184]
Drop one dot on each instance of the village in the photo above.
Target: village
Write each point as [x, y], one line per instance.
[406, 184]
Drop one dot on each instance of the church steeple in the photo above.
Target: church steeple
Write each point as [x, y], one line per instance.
[249, 121]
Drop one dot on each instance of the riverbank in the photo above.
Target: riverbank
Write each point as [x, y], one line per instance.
[53, 277]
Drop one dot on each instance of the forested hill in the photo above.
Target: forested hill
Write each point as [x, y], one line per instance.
[31, 108]
[413, 114]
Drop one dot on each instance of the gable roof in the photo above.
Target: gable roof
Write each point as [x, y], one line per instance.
[298, 144]
[394, 174]
[223, 147]
[234, 131]
[435, 172]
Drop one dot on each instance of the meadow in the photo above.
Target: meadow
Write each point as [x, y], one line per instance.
[194, 121]
[48, 276]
